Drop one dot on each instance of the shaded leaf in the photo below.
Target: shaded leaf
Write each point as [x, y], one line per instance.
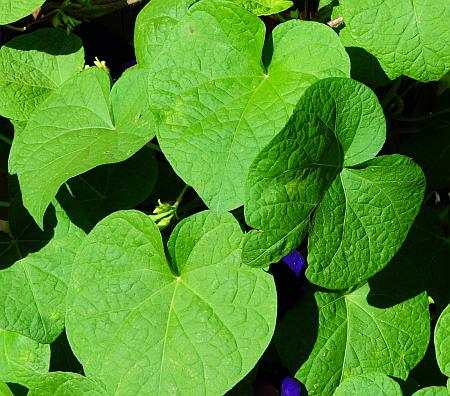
[402, 34]
[73, 131]
[382, 326]
[33, 65]
[361, 213]
[33, 290]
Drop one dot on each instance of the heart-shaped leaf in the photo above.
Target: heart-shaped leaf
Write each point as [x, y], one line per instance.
[265, 7]
[13, 10]
[65, 384]
[442, 341]
[142, 325]
[79, 126]
[32, 66]
[22, 360]
[370, 384]
[382, 326]
[432, 391]
[4, 390]
[33, 290]
[409, 37]
[323, 161]
[217, 99]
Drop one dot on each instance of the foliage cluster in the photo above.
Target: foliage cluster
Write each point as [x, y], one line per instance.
[147, 212]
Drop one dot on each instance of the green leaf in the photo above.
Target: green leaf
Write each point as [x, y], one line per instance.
[432, 391]
[4, 390]
[442, 341]
[65, 384]
[33, 290]
[90, 197]
[362, 216]
[221, 109]
[370, 384]
[75, 129]
[382, 326]
[144, 326]
[22, 360]
[33, 65]
[264, 7]
[363, 220]
[13, 10]
[409, 37]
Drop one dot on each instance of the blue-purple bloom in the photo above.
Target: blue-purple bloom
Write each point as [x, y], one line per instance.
[291, 387]
[296, 261]
[129, 64]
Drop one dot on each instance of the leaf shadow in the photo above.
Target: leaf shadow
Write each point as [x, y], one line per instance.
[366, 68]
[43, 45]
[25, 236]
[296, 334]
[398, 282]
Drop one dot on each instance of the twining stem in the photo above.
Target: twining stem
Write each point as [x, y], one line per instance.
[154, 147]
[15, 29]
[4, 204]
[391, 93]
[306, 10]
[180, 197]
[424, 117]
[335, 22]
[5, 139]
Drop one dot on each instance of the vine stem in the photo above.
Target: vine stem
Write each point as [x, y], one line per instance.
[4, 204]
[15, 29]
[423, 118]
[5, 139]
[180, 197]
[390, 94]
[154, 147]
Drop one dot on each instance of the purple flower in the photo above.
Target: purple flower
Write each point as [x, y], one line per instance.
[130, 63]
[291, 387]
[296, 261]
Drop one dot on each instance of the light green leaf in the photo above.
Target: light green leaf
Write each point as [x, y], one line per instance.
[312, 165]
[382, 326]
[22, 360]
[32, 66]
[410, 37]
[370, 384]
[216, 112]
[13, 10]
[4, 390]
[264, 7]
[65, 384]
[33, 290]
[442, 341]
[432, 391]
[75, 129]
[142, 328]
